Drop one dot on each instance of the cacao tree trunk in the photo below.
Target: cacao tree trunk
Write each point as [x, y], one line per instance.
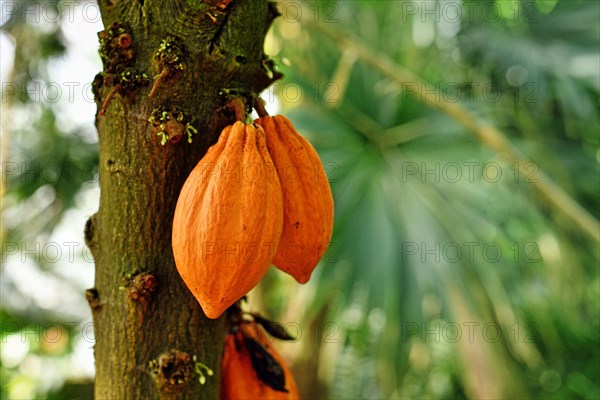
[191, 57]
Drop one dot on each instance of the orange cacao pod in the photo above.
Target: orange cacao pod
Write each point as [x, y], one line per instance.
[228, 219]
[243, 378]
[307, 199]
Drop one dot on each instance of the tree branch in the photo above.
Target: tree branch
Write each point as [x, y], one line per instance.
[487, 134]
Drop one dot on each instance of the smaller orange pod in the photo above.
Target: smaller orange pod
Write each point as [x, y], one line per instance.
[307, 198]
[252, 369]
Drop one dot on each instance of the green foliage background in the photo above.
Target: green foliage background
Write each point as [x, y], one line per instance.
[448, 276]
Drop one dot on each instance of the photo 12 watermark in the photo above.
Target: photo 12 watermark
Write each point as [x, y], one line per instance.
[53, 252]
[468, 172]
[468, 11]
[33, 171]
[470, 92]
[37, 12]
[48, 252]
[455, 252]
[54, 332]
[48, 92]
[452, 11]
[466, 331]
[51, 332]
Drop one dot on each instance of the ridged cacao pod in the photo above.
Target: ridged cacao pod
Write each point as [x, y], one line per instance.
[252, 369]
[228, 219]
[307, 199]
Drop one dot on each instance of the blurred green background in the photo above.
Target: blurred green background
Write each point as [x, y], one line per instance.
[449, 275]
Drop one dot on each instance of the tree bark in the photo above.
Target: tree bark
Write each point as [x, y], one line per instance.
[150, 332]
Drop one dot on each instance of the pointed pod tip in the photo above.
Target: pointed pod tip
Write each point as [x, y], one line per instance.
[302, 279]
[211, 312]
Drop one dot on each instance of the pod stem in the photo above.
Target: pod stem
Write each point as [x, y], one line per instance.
[239, 108]
[259, 106]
